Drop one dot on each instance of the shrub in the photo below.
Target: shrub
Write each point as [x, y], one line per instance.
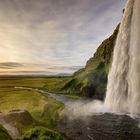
[41, 133]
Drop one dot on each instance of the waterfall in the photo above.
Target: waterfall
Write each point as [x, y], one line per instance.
[123, 89]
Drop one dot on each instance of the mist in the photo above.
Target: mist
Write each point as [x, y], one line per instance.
[83, 108]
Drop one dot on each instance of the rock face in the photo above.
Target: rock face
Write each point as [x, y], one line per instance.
[105, 50]
[19, 116]
[14, 120]
[4, 134]
[91, 81]
[100, 127]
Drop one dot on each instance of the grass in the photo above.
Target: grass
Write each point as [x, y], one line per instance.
[40, 133]
[55, 84]
[21, 99]
[42, 108]
[72, 96]
[49, 82]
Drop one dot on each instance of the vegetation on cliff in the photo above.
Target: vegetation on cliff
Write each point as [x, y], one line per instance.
[91, 81]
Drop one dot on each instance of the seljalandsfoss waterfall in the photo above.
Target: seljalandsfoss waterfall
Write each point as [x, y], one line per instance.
[118, 117]
[123, 89]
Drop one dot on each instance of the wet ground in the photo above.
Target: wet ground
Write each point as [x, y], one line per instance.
[100, 127]
[96, 127]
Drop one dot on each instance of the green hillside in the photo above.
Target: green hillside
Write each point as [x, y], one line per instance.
[25, 109]
[91, 81]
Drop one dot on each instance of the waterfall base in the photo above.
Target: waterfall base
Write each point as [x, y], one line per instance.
[100, 127]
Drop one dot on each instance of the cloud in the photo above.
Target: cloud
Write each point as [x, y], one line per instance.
[8, 65]
[55, 32]
[41, 69]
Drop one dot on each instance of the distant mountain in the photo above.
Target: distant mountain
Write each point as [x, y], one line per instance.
[64, 74]
[91, 81]
[14, 68]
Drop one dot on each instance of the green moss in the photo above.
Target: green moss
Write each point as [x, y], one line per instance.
[72, 96]
[50, 114]
[41, 133]
[55, 84]
[107, 67]
[70, 84]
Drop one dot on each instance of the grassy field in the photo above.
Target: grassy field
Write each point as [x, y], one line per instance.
[42, 108]
[52, 83]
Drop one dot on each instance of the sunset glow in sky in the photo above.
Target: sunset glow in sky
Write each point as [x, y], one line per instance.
[54, 33]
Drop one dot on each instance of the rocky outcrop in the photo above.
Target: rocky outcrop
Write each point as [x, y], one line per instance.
[4, 134]
[15, 120]
[19, 116]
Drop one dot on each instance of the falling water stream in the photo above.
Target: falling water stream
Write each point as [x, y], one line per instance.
[123, 89]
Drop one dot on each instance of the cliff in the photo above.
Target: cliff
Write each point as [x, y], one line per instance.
[91, 81]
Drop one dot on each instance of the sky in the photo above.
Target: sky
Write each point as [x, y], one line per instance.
[53, 36]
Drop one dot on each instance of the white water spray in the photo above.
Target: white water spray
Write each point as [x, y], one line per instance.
[123, 89]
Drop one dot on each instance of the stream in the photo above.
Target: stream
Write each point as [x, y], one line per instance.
[106, 126]
[58, 97]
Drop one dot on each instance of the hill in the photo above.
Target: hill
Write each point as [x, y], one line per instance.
[91, 81]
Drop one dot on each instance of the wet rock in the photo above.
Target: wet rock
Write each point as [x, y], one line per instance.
[100, 127]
